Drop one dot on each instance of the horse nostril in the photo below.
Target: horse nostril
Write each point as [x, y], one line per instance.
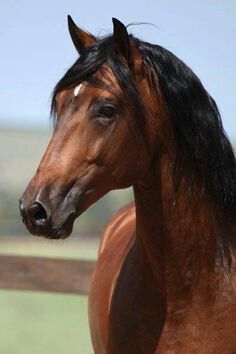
[38, 213]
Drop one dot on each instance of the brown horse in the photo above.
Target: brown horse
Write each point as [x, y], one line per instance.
[129, 113]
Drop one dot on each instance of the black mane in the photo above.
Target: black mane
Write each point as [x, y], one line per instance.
[202, 145]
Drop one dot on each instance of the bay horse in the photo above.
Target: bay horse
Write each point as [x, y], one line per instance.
[130, 113]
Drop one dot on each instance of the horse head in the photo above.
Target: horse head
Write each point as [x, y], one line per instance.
[99, 143]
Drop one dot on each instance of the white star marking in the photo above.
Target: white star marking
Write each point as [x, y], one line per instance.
[77, 90]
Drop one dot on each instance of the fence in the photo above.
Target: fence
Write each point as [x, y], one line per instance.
[45, 274]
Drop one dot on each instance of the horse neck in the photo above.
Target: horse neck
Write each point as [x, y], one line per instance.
[177, 233]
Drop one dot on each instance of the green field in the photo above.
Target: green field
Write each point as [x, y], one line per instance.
[36, 323]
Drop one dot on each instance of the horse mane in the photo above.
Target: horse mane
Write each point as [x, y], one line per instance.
[202, 144]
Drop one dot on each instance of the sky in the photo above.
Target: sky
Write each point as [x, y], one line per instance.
[36, 48]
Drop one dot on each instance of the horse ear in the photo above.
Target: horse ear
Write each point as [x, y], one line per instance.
[121, 39]
[80, 38]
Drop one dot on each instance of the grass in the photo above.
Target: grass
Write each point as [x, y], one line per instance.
[36, 323]
[84, 248]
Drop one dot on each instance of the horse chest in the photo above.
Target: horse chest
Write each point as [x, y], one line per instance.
[137, 312]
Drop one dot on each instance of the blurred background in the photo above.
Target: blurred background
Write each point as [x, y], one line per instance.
[35, 52]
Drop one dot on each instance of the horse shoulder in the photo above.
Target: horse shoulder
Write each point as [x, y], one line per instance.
[114, 246]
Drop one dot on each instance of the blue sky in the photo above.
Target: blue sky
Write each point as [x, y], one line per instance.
[36, 48]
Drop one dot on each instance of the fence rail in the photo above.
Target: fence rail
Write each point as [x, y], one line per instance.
[45, 274]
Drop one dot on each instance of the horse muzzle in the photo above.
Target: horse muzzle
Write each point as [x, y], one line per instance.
[48, 214]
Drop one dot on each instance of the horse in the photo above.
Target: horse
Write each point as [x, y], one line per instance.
[130, 113]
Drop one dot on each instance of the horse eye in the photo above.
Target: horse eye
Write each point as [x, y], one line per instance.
[107, 111]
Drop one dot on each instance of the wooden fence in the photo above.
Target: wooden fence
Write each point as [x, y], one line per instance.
[45, 274]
